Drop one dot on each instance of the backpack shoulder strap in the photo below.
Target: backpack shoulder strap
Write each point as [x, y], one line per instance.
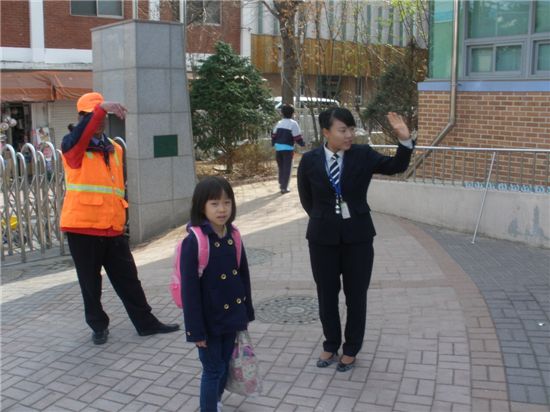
[238, 243]
[203, 247]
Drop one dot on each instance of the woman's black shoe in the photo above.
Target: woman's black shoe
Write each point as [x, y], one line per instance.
[344, 367]
[323, 363]
[99, 338]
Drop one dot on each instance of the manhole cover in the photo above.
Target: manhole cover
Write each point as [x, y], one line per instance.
[258, 256]
[296, 310]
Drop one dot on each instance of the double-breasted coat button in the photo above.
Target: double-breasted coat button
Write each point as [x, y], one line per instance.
[188, 333]
[230, 242]
[217, 244]
[235, 271]
[238, 300]
[223, 276]
[226, 306]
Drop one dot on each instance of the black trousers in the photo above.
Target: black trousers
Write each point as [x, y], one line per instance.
[90, 253]
[353, 263]
[284, 164]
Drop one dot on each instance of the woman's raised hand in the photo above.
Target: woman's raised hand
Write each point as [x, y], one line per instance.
[399, 126]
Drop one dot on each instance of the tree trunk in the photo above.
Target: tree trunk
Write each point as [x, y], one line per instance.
[286, 14]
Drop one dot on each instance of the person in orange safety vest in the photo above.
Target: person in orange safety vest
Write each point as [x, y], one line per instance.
[94, 216]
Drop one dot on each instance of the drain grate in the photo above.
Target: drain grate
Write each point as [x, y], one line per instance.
[257, 256]
[286, 310]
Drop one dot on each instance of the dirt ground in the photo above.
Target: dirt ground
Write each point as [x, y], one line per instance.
[243, 173]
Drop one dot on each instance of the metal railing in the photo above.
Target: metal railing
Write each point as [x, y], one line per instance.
[518, 170]
[32, 191]
[33, 187]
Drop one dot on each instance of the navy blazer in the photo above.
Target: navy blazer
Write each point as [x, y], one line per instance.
[318, 199]
[220, 301]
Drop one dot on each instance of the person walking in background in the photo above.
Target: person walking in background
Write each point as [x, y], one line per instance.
[332, 184]
[285, 134]
[93, 218]
[217, 303]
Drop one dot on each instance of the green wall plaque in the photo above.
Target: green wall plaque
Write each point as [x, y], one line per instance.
[165, 145]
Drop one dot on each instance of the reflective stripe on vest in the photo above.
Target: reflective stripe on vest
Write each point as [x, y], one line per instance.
[95, 189]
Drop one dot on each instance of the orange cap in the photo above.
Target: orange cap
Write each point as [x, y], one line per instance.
[88, 102]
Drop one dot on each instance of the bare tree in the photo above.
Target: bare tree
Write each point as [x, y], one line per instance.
[285, 12]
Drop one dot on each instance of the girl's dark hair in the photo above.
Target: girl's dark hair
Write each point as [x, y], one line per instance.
[326, 117]
[210, 188]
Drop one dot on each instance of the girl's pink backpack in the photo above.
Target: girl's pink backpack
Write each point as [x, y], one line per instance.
[204, 254]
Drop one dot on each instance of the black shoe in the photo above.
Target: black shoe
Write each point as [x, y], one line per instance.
[323, 363]
[285, 191]
[344, 367]
[160, 328]
[99, 338]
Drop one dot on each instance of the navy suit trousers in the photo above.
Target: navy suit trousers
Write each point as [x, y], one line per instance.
[349, 265]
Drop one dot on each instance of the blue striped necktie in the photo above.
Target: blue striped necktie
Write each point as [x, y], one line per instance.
[334, 172]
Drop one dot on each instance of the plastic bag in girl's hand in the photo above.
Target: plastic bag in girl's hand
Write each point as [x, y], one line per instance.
[244, 378]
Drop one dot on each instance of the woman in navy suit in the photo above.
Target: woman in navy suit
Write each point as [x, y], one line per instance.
[332, 183]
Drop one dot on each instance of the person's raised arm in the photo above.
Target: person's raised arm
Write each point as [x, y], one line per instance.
[75, 143]
[389, 165]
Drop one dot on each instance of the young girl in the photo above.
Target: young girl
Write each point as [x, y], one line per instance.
[218, 304]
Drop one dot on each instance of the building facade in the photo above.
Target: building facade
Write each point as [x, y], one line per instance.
[46, 57]
[503, 92]
[341, 44]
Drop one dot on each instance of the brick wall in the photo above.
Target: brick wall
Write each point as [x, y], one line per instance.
[14, 22]
[63, 31]
[202, 38]
[488, 119]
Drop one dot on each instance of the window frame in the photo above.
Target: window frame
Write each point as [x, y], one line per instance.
[97, 15]
[527, 41]
[201, 22]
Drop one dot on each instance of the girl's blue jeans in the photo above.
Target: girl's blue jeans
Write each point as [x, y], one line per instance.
[215, 365]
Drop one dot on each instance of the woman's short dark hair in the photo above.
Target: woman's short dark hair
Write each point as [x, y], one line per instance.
[210, 188]
[287, 110]
[326, 117]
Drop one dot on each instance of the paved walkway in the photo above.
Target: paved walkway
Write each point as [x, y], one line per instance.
[451, 327]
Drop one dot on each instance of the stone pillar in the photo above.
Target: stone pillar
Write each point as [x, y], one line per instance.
[142, 65]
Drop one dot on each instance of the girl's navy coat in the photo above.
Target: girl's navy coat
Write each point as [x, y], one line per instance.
[220, 301]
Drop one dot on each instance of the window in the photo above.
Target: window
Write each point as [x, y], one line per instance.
[204, 12]
[359, 86]
[496, 59]
[328, 86]
[379, 26]
[542, 57]
[390, 26]
[507, 39]
[369, 23]
[260, 18]
[542, 16]
[101, 8]
[497, 18]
